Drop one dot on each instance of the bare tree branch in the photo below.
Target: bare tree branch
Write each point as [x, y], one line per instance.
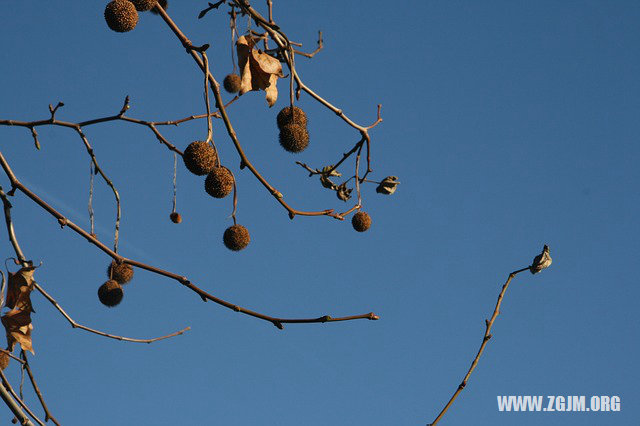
[74, 324]
[63, 221]
[6, 385]
[485, 340]
[36, 388]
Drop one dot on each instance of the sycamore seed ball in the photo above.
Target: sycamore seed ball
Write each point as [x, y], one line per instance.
[236, 237]
[175, 217]
[294, 138]
[121, 15]
[200, 158]
[110, 293]
[143, 5]
[289, 116]
[120, 273]
[361, 221]
[232, 83]
[219, 182]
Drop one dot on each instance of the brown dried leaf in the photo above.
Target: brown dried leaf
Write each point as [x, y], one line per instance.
[18, 327]
[19, 289]
[327, 183]
[343, 192]
[258, 70]
[4, 360]
[324, 177]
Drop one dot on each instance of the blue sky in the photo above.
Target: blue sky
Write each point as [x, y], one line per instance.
[511, 125]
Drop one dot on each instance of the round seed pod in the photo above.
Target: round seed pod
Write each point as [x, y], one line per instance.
[232, 83]
[175, 217]
[163, 4]
[236, 237]
[120, 273]
[219, 182]
[294, 138]
[288, 116]
[361, 221]
[121, 15]
[110, 293]
[200, 158]
[143, 5]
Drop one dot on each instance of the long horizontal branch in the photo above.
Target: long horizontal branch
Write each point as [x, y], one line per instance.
[23, 260]
[64, 222]
[75, 324]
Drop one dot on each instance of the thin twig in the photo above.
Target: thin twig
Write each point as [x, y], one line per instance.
[206, 99]
[21, 389]
[152, 125]
[24, 406]
[12, 355]
[215, 87]
[485, 340]
[90, 206]
[270, 6]
[312, 54]
[175, 182]
[74, 324]
[97, 169]
[47, 414]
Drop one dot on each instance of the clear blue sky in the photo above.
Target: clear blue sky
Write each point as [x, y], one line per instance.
[511, 124]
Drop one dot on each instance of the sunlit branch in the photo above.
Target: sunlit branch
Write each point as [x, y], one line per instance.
[23, 260]
[6, 385]
[47, 414]
[65, 222]
[485, 340]
[215, 87]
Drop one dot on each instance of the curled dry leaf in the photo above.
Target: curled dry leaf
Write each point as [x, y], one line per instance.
[343, 192]
[324, 177]
[258, 70]
[326, 182]
[18, 326]
[541, 261]
[388, 185]
[19, 289]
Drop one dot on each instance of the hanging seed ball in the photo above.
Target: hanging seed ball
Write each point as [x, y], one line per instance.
[219, 182]
[200, 158]
[285, 116]
[121, 15]
[175, 217]
[361, 221]
[232, 83]
[294, 138]
[121, 273]
[110, 293]
[163, 4]
[236, 237]
[143, 5]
